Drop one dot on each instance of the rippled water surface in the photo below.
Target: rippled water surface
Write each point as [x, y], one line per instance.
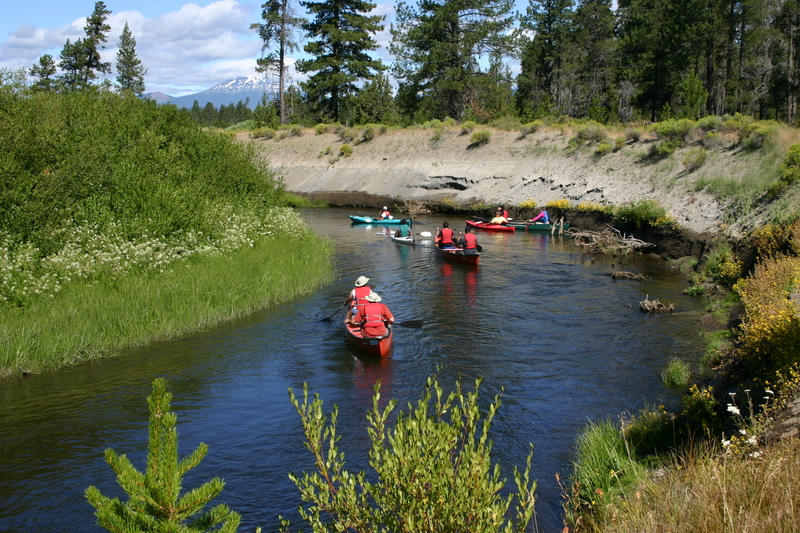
[538, 319]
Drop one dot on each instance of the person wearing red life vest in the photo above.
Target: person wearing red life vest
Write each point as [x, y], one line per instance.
[373, 317]
[358, 296]
[444, 236]
[385, 215]
[468, 241]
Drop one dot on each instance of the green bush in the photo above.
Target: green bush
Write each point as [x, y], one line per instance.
[479, 138]
[603, 148]
[468, 127]
[650, 431]
[591, 132]
[674, 130]
[640, 213]
[433, 470]
[506, 123]
[710, 123]
[262, 133]
[345, 150]
[530, 128]
[694, 159]
[790, 170]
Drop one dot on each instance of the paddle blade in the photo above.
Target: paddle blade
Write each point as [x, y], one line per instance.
[425, 234]
[416, 324]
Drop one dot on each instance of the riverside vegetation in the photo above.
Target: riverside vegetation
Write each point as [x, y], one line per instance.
[124, 222]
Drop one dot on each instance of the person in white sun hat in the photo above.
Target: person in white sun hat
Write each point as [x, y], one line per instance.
[357, 297]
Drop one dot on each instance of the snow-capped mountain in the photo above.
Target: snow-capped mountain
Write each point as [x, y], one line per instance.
[225, 93]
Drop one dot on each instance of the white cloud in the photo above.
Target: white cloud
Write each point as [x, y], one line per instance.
[184, 51]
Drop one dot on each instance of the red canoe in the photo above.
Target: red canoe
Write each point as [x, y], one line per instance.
[456, 255]
[377, 346]
[489, 227]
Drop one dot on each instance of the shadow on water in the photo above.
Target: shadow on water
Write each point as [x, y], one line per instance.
[539, 320]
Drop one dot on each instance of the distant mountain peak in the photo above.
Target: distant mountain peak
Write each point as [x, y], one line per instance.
[228, 92]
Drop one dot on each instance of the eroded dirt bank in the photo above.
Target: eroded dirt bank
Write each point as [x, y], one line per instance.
[412, 165]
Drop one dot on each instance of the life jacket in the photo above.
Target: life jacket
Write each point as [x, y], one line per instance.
[372, 315]
[360, 297]
[447, 236]
[386, 214]
[470, 241]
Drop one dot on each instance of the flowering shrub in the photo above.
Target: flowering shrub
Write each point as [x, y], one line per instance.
[770, 330]
[562, 203]
[592, 207]
[530, 203]
[91, 254]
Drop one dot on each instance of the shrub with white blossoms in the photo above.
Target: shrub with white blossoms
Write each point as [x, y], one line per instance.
[91, 255]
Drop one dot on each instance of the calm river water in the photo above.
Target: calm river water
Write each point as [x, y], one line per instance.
[538, 319]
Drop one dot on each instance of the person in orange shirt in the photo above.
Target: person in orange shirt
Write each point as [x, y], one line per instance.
[373, 317]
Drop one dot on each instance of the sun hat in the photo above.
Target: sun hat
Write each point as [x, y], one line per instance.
[373, 297]
[385, 207]
[361, 281]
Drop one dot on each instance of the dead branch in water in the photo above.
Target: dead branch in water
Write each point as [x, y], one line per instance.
[654, 306]
[416, 208]
[609, 241]
[628, 275]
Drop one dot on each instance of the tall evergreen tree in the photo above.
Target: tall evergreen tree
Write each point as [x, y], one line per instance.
[280, 22]
[44, 71]
[342, 36]
[438, 45]
[591, 56]
[96, 29]
[130, 72]
[540, 83]
[375, 103]
[73, 64]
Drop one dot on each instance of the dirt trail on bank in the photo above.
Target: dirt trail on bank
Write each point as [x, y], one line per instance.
[412, 164]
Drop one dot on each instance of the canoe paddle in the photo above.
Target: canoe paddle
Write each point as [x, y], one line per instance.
[416, 324]
[328, 319]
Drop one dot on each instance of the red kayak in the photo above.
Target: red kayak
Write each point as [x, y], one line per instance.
[377, 346]
[456, 255]
[489, 226]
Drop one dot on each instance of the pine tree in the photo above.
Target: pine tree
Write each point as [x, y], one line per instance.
[44, 71]
[73, 64]
[342, 34]
[155, 503]
[540, 82]
[438, 45]
[280, 23]
[96, 29]
[130, 72]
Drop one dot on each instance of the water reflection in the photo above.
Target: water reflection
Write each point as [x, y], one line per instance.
[539, 320]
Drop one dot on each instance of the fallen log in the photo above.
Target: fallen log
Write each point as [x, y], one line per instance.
[609, 241]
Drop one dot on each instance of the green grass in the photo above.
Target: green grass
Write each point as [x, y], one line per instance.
[677, 373]
[86, 322]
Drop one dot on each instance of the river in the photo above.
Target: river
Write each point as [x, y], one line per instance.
[539, 320]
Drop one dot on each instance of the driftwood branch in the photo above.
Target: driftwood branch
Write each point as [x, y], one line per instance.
[628, 275]
[609, 241]
[416, 208]
[654, 306]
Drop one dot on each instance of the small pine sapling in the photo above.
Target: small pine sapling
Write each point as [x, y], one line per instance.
[155, 503]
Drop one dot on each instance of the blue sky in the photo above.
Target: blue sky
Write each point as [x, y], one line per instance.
[186, 47]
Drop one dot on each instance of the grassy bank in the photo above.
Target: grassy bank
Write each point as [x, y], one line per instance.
[719, 463]
[87, 321]
[124, 222]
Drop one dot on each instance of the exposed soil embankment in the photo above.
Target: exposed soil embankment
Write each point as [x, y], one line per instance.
[415, 165]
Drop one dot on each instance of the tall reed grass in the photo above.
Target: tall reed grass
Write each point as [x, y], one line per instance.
[88, 321]
[701, 494]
